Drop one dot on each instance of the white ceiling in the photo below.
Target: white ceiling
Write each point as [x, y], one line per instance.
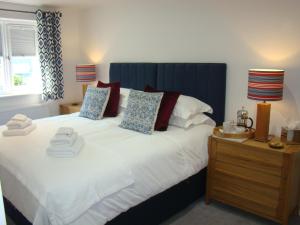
[56, 3]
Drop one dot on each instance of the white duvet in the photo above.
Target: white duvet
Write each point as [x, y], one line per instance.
[117, 169]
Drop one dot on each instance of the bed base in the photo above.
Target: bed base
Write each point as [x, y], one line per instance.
[150, 212]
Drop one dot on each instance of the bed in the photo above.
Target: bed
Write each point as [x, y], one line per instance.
[147, 193]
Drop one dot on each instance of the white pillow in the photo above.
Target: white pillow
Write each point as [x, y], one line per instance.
[188, 106]
[194, 120]
[185, 107]
[124, 94]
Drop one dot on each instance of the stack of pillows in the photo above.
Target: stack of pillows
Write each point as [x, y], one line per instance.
[144, 111]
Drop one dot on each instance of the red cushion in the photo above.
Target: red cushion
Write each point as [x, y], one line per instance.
[114, 98]
[167, 105]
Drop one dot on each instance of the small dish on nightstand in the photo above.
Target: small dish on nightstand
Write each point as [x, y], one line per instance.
[276, 144]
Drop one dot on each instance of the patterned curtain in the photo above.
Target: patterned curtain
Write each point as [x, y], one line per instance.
[49, 42]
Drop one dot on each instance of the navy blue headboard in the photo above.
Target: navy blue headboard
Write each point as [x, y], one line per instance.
[205, 81]
[134, 75]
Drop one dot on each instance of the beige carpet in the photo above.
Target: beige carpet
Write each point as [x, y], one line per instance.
[215, 214]
[219, 214]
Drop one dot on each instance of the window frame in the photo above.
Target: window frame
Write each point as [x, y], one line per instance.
[8, 88]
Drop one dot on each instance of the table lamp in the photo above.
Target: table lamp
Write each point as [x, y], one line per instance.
[85, 73]
[264, 85]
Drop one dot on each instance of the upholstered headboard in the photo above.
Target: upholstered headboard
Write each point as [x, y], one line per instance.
[205, 81]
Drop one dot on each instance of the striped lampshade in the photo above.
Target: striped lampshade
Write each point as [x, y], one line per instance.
[265, 84]
[85, 72]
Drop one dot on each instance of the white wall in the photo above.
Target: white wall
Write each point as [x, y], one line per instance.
[71, 53]
[243, 34]
[32, 105]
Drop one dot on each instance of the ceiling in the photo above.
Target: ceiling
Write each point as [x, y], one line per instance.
[56, 3]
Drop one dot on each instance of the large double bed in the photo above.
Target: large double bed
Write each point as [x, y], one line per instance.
[121, 176]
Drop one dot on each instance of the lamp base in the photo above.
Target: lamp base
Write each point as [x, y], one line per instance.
[84, 88]
[262, 122]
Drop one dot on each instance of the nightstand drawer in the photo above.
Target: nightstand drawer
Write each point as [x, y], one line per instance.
[258, 194]
[258, 166]
[245, 204]
[251, 153]
[248, 174]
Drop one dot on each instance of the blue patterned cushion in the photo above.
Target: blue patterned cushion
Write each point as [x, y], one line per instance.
[141, 112]
[94, 103]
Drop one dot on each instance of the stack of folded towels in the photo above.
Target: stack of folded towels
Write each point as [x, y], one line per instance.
[19, 125]
[65, 143]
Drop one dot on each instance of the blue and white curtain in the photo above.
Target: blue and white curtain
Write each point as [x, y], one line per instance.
[49, 45]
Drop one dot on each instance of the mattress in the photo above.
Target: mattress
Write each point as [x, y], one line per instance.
[128, 167]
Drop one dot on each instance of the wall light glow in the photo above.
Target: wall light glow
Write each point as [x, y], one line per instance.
[273, 48]
[276, 52]
[95, 56]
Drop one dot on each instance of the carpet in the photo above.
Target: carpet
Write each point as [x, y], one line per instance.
[219, 214]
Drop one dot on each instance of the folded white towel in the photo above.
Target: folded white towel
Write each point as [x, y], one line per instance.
[17, 124]
[66, 140]
[66, 151]
[65, 131]
[19, 117]
[19, 132]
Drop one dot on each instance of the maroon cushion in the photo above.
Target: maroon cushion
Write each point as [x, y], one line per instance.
[167, 105]
[114, 98]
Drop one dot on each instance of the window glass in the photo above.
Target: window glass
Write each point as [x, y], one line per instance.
[24, 71]
[1, 75]
[1, 63]
[19, 61]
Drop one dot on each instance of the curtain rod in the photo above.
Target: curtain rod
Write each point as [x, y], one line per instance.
[20, 11]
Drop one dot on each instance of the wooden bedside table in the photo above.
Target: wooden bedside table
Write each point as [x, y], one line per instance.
[254, 177]
[69, 108]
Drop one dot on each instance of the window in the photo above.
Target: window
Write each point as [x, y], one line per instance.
[19, 61]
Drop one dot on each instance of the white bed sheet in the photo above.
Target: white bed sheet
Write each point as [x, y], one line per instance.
[156, 162]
